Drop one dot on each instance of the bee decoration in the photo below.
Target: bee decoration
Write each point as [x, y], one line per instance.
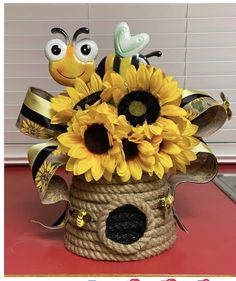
[166, 203]
[80, 222]
[81, 216]
[127, 50]
[226, 105]
[71, 59]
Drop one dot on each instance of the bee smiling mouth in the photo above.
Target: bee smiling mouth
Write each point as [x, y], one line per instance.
[70, 77]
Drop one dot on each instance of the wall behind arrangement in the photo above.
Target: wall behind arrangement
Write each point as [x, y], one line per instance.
[198, 42]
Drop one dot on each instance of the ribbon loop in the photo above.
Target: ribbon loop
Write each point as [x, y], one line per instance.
[204, 111]
[52, 188]
[201, 170]
[34, 120]
[35, 116]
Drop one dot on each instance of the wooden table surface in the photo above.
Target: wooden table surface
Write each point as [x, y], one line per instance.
[207, 249]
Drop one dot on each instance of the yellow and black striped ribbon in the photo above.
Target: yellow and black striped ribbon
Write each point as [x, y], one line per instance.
[35, 121]
[35, 116]
[52, 188]
[203, 111]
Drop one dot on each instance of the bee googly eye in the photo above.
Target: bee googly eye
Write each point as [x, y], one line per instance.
[55, 50]
[86, 50]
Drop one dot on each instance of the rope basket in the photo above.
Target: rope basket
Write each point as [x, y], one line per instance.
[120, 222]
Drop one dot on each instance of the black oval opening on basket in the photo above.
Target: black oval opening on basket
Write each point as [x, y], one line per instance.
[126, 224]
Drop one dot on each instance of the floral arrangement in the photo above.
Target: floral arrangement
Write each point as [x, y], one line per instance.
[136, 126]
[126, 127]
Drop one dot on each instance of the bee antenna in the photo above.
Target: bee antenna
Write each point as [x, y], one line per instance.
[61, 31]
[80, 31]
[154, 54]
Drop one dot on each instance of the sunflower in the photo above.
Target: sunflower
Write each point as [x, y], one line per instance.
[65, 105]
[146, 97]
[89, 142]
[135, 154]
[44, 175]
[33, 129]
[174, 151]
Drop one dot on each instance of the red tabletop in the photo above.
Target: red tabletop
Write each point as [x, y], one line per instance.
[207, 249]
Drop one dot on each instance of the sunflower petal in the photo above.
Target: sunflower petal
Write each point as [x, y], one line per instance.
[184, 142]
[108, 163]
[168, 125]
[63, 116]
[81, 87]
[156, 81]
[181, 167]
[131, 78]
[190, 129]
[97, 170]
[60, 103]
[70, 164]
[117, 95]
[165, 160]
[169, 93]
[82, 166]
[155, 130]
[88, 176]
[69, 139]
[78, 151]
[118, 81]
[159, 170]
[106, 94]
[107, 175]
[172, 110]
[126, 177]
[191, 156]
[95, 83]
[135, 169]
[143, 78]
[182, 159]
[146, 148]
[147, 162]
[122, 168]
[74, 95]
[170, 147]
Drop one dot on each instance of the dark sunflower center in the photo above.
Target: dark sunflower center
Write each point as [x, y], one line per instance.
[96, 139]
[90, 100]
[139, 106]
[130, 149]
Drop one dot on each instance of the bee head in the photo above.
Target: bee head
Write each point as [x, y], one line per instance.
[69, 60]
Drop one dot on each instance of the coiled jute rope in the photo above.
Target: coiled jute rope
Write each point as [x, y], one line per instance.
[103, 202]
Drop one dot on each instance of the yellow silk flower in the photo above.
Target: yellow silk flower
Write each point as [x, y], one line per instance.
[89, 142]
[146, 97]
[134, 155]
[174, 151]
[64, 106]
[137, 126]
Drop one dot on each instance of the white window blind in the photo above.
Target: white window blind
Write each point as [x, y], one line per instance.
[198, 42]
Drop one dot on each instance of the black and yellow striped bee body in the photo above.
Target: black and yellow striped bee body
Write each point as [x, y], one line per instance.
[113, 62]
